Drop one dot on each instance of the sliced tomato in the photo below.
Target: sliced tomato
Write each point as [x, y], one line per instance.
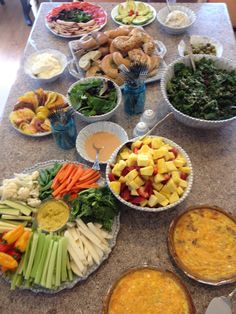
[183, 176]
[174, 150]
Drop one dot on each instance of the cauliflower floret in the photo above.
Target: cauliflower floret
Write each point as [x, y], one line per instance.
[33, 202]
[9, 192]
[34, 193]
[23, 193]
[34, 175]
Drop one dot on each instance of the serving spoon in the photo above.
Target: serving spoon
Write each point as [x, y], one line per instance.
[221, 305]
[168, 5]
[96, 165]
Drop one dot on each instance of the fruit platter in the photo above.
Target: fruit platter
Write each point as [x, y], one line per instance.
[101, 53]
[30, 113]
[75, 19]
[51, 236]
[150, 174]
[134, 13]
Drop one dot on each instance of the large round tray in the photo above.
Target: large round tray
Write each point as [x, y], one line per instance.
[112, 241]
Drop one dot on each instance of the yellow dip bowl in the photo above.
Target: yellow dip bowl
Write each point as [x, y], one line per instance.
[52, 215]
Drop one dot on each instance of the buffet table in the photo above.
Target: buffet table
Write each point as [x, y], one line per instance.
[142, 236]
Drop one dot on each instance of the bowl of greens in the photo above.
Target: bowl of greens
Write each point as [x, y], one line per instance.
[94, 98]
[204, 98]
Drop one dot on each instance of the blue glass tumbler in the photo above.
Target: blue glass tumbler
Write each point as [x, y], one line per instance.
[134, 98]
[64, 134]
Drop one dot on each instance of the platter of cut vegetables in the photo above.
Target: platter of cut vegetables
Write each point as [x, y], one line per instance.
[58, 223]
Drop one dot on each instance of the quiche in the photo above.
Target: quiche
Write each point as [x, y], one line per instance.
[202, 242]
[148, 290]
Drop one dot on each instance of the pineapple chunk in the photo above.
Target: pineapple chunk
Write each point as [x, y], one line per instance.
[134, 192]
[122, 179]
[157, 142]
[170, 166]
[144, 203]
[185, 169]
[132, 185]
[147, 171]
[143, 160]
[158, 178]
[179, 162]
[159, 153]
[118, 168]
[139, 181]
[132, 159]
[161, 198]
[131, 175]
[183, 183]
[171, 186]
[180, 191]
[153, 200]
[157, 186]
[169, 156]
[125, 153]
[145, 149]
[174, 198]
[115, 186]
[165, 191]
[175, 177]
[147, 140]
[161, 166]
[137, 144]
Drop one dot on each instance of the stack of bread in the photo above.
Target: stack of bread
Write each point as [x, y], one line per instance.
[101, 53]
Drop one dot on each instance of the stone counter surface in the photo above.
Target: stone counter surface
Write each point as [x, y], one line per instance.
[142, 236]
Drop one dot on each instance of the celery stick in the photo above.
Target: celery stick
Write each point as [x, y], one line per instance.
[27, 254]
[32, 255]
[63, 260]
[41, 242]
[58, 263]
[51, 265]
[20, 266]
[45, 267]
[70, 274]
[19, 280]
[13, 282]
[43, 257]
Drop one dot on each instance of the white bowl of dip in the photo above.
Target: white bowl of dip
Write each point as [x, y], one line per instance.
[45, 65]
[103, 134]
[178, 21]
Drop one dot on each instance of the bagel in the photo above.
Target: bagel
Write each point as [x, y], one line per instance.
[93, 71]
[113, 48]
[126, 43]
[137, 55]
[109, 67]
[155, 62]
[119, 59]
[149, 47]
[101, 38]
[120, 31]
[104, 50]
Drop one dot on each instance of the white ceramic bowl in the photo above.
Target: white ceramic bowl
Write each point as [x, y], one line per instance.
[163, 13]
[196, 40]
[57, 54]
[101, 117]
[183, 118]
[104, 126]
[112, 160]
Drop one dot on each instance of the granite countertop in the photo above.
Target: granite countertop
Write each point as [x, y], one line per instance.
[142, 236]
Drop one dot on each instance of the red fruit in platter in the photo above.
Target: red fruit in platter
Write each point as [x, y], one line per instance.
[166, 178]
[155, 171]
[111, 177]
[148, 187]
[123, 187]
[137, 200]
[141, 191]
[135, 150]
[174, 150]
[183, 176]
[125, 194]
[126, 170]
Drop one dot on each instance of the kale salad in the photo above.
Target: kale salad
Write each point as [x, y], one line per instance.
[93, 97]
[208, 93]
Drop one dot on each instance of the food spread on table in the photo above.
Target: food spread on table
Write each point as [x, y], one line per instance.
[30, 113]
[134, 12]
[93, 97]
[208, 93]
[45, 65]
[77, 214]
[107, 140]
[59, 222]
[177, 18]
[149, 173]
[202, 241]
[124, 45]
[76, 19]
[148, 290]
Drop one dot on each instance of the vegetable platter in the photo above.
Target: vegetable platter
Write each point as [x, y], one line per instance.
[71, 20]
[35, 257]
